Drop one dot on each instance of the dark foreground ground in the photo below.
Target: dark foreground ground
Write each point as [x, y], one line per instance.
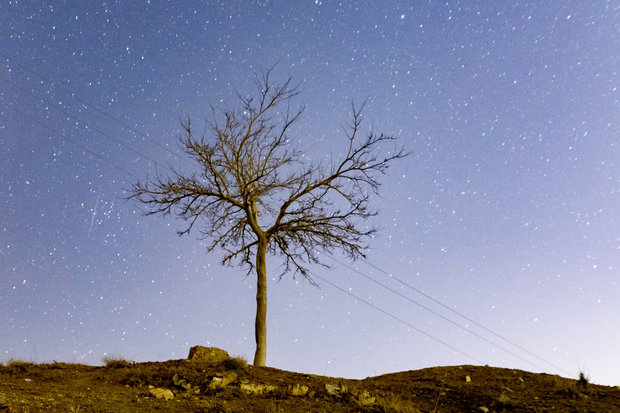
[233, 386]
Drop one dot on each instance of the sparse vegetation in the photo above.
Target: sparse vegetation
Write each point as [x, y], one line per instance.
[573, 389]
[440, 393]
[234, 363]
[16, 366]
[116, 361]
[393, 403]
[582, 383]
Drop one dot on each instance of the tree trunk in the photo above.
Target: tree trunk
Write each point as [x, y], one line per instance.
[260, 326]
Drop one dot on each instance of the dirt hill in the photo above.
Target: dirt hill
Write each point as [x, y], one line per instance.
[233, 386]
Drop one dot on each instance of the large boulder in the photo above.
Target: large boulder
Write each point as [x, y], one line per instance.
[210, 354]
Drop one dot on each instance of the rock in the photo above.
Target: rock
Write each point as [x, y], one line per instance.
[229, 377]
[335, 389]
[365, 399]
[504, 399]
[181, 382]
[223, 380]
[210, 354]
[216, 383]
[162, 393]
[253, 388]
[298, 389]
[467, 379]
[483, 409]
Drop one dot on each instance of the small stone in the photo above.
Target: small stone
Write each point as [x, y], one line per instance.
[483, 409]
[216, 383]
[365, 399]
[160, 393]
[504, 399]
[230, 377]
[335, 389]
[223, 380]
[252, 388]
[181, 382]
[467, 379]
[298, 389]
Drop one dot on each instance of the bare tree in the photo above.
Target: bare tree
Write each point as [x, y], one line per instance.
[254, 194]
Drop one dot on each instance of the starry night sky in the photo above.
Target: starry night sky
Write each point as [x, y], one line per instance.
[506, 211]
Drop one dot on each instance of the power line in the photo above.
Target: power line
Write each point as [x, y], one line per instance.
[87, 103]
[63, 136]
[400, 320]
[411, 300]
[465, 317]
[61, 109]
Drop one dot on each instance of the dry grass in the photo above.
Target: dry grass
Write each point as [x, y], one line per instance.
[116, 361]
[572, 389]
[393, 403]
[17, 366]
[234, 363]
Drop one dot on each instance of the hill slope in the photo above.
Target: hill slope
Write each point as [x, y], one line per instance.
[231, 386]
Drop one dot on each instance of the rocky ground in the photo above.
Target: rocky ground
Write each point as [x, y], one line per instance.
[224, 384]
